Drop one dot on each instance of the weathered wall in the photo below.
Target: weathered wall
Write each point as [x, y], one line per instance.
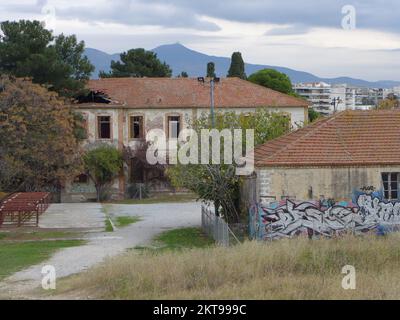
[312, 183]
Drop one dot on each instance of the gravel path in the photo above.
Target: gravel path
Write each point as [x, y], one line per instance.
[156, 218]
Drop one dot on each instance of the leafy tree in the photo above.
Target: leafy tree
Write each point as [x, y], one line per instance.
[391, 102]
[27, 49]
[211, 70]
[38, 148]
[237, 68]
[272, 79]
[138, 63]
[313, 115]
[102, 165]
[183, 74]
[219, 184]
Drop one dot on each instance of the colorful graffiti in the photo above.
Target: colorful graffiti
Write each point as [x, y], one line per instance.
[290, 218]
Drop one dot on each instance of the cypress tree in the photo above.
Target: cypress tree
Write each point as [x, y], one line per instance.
[237, 66]
[211, 70]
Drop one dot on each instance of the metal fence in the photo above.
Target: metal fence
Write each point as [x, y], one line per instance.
[215, 226]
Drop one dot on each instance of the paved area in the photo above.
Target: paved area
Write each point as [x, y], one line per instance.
[156, 218]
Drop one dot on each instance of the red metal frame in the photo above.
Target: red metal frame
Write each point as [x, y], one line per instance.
[19, 208]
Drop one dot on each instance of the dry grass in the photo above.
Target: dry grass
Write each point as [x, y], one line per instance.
[286, 269]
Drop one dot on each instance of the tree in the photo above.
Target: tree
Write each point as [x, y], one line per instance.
[219, 184]
[183, 74]
[211, 70]
[313, 115]
[391, 102]
[38, 148]
[102, 164]
[138, 63]
[237, 68]
[27, 49]
[272, 79]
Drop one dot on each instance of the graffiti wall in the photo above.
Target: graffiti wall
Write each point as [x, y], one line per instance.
[315, 218]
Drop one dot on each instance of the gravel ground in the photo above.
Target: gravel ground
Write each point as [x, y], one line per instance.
[156, 218]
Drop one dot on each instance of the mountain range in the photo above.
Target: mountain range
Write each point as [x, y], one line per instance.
[181, 58]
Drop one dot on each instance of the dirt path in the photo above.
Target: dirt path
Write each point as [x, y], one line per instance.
[156, 218]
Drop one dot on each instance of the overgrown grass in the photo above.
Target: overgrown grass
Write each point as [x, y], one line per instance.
[123, 221]
[165, 198]
[184, 238]
[285, 269]
[17, 256]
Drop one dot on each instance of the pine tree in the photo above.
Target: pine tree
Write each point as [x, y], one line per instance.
[237, 66]
[211, 70]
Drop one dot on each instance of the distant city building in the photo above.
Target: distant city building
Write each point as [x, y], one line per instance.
[327, 99]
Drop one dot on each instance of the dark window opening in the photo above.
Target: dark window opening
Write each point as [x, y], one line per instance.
[104, 127]
[137, 127]
[82, 178]
[173, 127]
[94, 97]
[391, 185]
[137, 171]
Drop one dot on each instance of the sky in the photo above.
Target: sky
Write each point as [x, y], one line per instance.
[329, 38]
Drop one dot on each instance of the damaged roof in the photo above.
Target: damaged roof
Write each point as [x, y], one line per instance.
[346, 139]
[188, 92]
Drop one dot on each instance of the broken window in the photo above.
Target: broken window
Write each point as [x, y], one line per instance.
[104, 125]
[82, 178]
[173, 127]
[94, 97]
[391, 185]
[137, 131]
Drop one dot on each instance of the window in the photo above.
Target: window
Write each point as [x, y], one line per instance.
[173, 127]
[391, 185]
[82, 178]
[104, 127]
[136, 124]
[137, 171]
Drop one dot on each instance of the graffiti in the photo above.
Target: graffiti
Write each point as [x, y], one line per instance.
[290, 218]
[367, 189]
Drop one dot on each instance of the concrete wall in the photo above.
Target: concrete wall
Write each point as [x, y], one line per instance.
[312, 183]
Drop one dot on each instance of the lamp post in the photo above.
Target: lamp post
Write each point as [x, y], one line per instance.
[212, 82]
[335, 102]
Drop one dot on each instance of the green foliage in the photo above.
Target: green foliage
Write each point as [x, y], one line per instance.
[237, 68]
[138, 63]
[219, 184]
[39, 149]
[183, 74]
[102, 164]
[27, 49]
[123, 221]
[272, 79]
[211, 70]
[313, 115]
[138, 191]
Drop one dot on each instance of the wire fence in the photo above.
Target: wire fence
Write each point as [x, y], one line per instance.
[216, 227]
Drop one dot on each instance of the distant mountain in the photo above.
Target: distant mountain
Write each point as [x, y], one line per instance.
[194, 63]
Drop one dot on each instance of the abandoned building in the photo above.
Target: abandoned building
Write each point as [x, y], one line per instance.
[333, 158]
[121, 111]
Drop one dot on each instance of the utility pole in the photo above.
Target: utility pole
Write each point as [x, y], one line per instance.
[335, 102]
[212, 82]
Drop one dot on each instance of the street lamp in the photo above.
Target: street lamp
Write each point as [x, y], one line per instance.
[212, 83]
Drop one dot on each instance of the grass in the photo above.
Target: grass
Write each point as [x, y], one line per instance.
[123, 221]
[285, 269]
[164, 198]
[184, 238]
[17, 256]
[109, 227]
[36, 235]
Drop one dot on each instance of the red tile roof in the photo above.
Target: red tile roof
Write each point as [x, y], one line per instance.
[345, 139]
[188, 92]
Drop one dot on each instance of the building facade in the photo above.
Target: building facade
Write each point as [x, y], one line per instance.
[333, 158]
[122, 111]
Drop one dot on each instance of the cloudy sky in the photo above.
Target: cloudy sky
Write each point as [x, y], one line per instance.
[305, 35]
